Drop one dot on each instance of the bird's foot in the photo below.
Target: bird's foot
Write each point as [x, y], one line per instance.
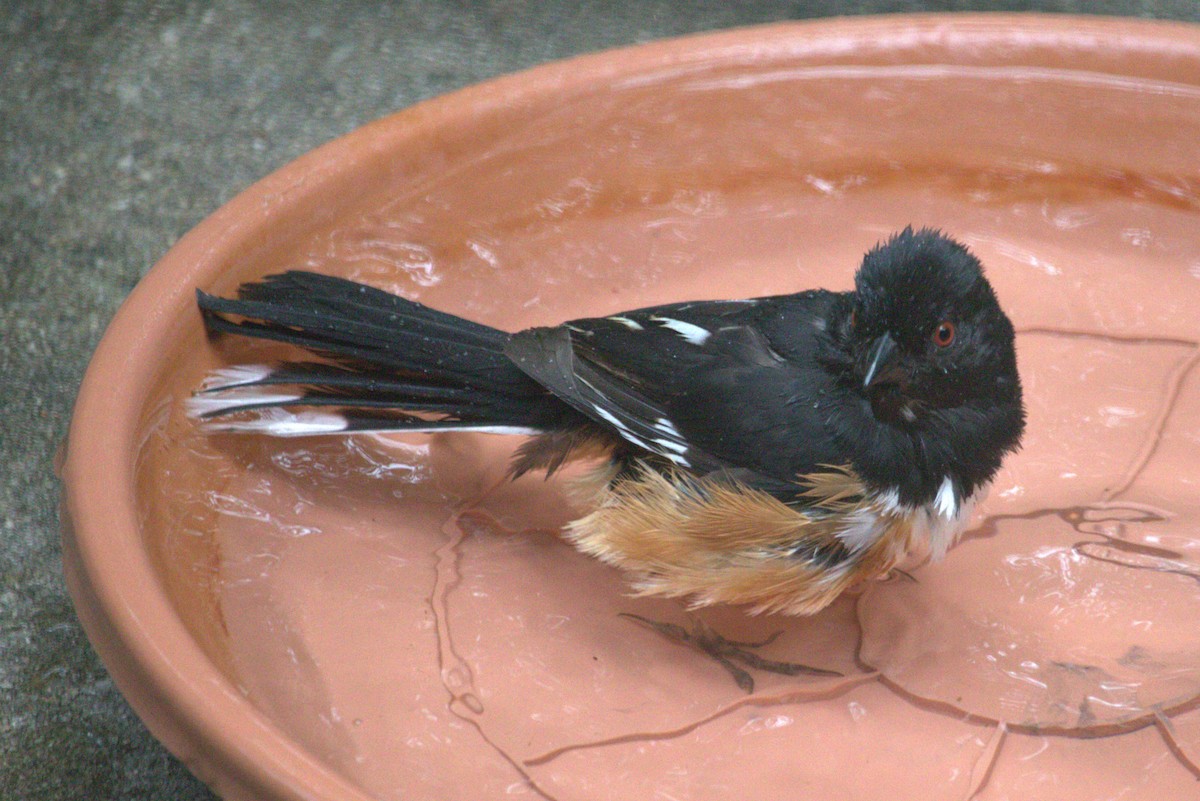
[727, 653]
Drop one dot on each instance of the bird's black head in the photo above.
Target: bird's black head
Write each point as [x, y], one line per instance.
[933, 352]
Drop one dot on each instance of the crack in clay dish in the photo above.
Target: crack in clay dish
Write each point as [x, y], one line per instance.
[385, 617]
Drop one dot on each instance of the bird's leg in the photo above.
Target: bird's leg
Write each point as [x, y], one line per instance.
[726, 652]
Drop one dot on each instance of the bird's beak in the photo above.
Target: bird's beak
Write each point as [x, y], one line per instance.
[881, 366]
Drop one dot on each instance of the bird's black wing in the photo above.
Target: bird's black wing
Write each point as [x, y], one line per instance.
[711, 386]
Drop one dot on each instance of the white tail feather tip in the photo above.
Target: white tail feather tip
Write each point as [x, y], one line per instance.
[205, 405]
[230, 377]
[280, 423]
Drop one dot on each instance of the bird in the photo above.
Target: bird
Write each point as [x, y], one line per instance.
[768, 452]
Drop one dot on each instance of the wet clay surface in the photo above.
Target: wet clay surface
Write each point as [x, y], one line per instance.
[414, 622]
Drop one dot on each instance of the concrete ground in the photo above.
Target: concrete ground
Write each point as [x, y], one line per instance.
[122, 125]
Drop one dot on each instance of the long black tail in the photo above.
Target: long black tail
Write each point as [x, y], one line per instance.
[389, 365]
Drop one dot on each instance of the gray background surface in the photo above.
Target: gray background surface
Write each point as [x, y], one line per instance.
[122, 125]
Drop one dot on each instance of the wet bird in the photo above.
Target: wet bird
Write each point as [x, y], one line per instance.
[772, 451]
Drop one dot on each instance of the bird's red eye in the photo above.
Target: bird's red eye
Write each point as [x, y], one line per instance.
[943, 335]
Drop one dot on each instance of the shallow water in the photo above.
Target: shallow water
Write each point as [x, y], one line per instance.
[414, 620]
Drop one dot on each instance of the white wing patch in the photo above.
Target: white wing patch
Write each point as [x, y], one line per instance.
[673, 441]
[671, 445]
[676, 459]
[610, 417]
[667, 427]
[694, 334]
[665, 448]
[632, 325]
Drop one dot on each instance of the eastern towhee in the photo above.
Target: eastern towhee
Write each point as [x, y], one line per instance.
[771, 451]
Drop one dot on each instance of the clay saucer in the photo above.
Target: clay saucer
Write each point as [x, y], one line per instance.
[383, 618]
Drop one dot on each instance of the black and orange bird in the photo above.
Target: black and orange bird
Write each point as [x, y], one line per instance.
[771, 451]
